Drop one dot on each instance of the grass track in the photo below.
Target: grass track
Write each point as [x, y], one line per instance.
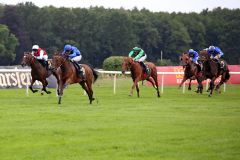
[176, 126]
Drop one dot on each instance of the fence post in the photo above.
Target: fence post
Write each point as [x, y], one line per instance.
[114, 83]
[57, 90]
[183, 90]
[27, 90]
[162, 83]
[206, 84]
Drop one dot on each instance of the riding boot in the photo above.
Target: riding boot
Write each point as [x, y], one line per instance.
[79, 69]
[46, 65]
[145, 68]
[41, 62]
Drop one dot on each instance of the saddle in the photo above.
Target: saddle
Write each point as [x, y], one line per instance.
[79, 68]
[221, 64]
[44, 63]
[145, 69]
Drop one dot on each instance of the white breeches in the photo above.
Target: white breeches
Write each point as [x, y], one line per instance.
[44, 57]
[143, 58]
[77, 59]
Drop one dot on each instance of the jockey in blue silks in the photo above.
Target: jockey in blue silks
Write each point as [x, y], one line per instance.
[216, 53]
[193, 56]
[74, 55]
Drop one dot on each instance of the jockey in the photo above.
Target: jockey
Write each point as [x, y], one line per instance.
[193, 56]
[140, 56]
[74, 55]
[40, 55]
[216, 53]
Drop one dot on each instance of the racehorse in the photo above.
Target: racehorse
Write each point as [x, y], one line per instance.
[191, 70]
[212, 70]
[38, 72]
[68, 75]
[138, 74]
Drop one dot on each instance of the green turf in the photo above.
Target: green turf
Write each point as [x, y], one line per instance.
[176, 126]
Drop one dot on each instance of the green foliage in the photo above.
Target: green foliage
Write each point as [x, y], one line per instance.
[100, 33]
[8, 43]
[165, 62]
[113, 63]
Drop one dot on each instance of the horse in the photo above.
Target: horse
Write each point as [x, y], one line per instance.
[191, 70]
[38, 72]
[212, 70]
[67, 74]
[138, 74]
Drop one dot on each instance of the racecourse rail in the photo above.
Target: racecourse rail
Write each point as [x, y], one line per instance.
[115, 73]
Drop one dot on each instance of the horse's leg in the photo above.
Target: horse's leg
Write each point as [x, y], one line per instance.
[200, 86]
[212, 86]
[218, 86]
[89, 85]
[60, 91]
[137, 88]
[183, 80]
[57, 78]
[154, 83]
[45, 83]
[190, 85]
[155, 78]
[30, 87]
[88, 91]
[223, 79]
[135, 83]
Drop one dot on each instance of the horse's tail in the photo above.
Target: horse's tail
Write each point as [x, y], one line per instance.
[95, 74]
[227, 76]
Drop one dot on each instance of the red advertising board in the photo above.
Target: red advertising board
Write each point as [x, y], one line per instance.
[176, 79]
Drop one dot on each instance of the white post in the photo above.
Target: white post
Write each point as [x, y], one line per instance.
[183, 90]
[162, 83]
[114, 84]
[161, 55]
[224, 87]
[206, 84]
[27, 90]
[57, 90]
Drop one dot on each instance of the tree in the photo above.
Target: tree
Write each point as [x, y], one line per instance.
[8, 43]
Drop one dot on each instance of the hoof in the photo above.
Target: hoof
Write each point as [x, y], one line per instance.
[49, 92]
[189, 89]
[42, 93]
[34, 91]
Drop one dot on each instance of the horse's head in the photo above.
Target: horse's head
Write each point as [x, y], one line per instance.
[204, 56]
[57, 61]
[184, 58]
[126, 64]
[27, 59]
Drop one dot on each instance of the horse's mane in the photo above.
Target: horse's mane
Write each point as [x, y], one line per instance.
[204, 53]
[29, 54]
